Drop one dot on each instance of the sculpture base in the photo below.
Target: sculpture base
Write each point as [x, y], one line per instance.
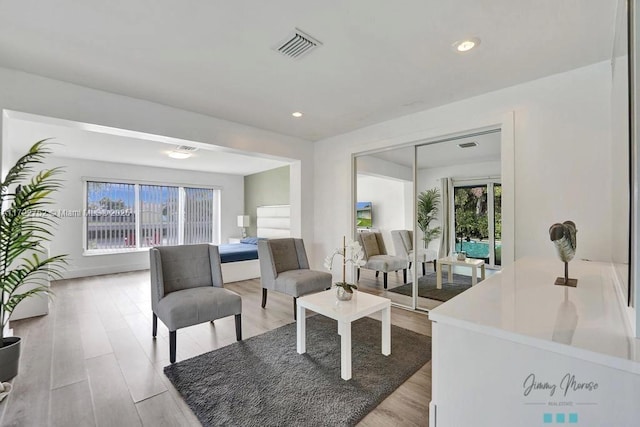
[561, 281]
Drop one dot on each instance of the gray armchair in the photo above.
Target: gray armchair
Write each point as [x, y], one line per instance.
[186, 289]
[403, 245]
[284, 268]
[377, 258]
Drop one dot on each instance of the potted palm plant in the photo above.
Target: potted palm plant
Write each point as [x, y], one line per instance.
[427, 211]
[25, 228]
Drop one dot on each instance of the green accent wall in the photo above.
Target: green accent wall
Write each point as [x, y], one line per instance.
[264, 189]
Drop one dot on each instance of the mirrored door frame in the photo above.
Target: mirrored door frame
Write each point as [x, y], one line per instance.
[503, 123]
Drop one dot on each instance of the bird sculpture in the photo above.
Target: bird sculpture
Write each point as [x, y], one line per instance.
[563, 237]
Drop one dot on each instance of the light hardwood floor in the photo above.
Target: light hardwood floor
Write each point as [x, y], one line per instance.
[92, 360]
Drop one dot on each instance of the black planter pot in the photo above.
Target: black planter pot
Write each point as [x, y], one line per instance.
[9, 358]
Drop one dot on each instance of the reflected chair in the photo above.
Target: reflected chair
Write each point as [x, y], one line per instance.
[403, 246]
[284, 267]
[186, 289]
[377, 258]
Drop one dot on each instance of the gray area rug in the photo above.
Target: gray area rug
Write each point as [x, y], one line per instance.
[263, 381]
[427, 286]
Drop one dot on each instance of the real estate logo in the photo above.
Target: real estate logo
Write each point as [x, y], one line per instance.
[561, 399]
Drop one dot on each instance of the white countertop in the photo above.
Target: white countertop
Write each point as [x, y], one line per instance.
[522, 304]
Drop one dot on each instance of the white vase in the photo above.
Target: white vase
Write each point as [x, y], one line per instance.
[342, 294]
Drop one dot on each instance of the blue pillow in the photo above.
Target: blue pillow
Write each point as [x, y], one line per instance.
[250, 240]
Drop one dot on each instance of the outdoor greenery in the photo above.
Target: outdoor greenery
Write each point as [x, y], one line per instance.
[25, 228]
[471, 213]
[428, 202]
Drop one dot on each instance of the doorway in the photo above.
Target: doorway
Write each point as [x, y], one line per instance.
[478, 220]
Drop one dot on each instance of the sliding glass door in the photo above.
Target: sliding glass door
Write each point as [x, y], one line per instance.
[477, 219]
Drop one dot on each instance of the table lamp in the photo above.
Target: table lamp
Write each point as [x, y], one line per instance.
[243, 222]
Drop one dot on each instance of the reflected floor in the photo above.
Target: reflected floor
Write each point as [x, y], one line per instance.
[374, 285]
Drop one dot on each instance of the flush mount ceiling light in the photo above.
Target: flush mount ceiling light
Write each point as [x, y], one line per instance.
[296, 114]
[181, 152]
[468, 144]
[466, 45]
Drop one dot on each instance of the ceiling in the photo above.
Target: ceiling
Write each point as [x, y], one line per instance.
[73, 140]
[378, 59]
[447, 153]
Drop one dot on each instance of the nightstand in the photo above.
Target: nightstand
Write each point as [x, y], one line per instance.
[234, 239]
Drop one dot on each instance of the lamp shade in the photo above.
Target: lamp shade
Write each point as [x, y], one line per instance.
[243, 220]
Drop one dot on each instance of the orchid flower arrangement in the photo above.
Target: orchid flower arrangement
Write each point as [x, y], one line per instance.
[351, 254]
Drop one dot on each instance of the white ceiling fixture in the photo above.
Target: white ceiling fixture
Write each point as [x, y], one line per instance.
[297, 44]
[297, 114]
[466, 45]
[182, 152]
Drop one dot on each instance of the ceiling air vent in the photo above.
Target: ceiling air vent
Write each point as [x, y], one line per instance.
[185, 148]
[468, 144]
[297, 44]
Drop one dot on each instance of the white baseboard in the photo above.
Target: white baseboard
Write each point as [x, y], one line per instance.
[98, 271]
[231, 271]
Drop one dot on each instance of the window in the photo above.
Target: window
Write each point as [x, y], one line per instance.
[159, 216]
[111, 220]
[198, 211]
[125, 216]
[478, 220]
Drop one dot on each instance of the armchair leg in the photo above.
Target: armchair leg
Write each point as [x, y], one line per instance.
[378, 273]
[155, 325]
[172, 346]
[424, 270]
[384, 275]
[264, 297]
[358, 278]
[404, 275]
[410, 264]
[239, 327]
[295, 308]
[434, 265]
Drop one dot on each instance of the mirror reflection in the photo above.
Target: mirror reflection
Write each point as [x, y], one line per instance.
[449, 218]
[384, 223]
[463, 176]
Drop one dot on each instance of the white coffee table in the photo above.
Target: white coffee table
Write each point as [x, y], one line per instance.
[345, 312]
[450, 261]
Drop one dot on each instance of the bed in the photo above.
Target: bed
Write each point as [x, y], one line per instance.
[240, 260]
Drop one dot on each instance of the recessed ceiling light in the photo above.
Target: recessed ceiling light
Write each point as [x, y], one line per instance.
[466, 45]
[297, 114]
[179, 155]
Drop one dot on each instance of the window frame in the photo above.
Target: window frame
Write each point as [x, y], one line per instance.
[216, 223]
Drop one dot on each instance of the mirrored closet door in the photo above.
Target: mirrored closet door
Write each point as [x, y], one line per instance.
[384, 218]
[457, 212]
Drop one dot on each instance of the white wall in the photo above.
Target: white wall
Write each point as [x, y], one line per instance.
[387, 197]
[377, 167]
[38, 95]
[562, 158]
[68, 238]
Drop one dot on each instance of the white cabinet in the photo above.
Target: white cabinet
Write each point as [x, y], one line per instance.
[518, 350]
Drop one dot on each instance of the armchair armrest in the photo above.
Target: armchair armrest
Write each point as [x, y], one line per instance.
[157, 279]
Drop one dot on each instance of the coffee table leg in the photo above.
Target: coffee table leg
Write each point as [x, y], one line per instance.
[386, 331]
[474, 275]
[482, 272]
[450, 272]
[301, 330]
[345, 350]
[439, 275]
